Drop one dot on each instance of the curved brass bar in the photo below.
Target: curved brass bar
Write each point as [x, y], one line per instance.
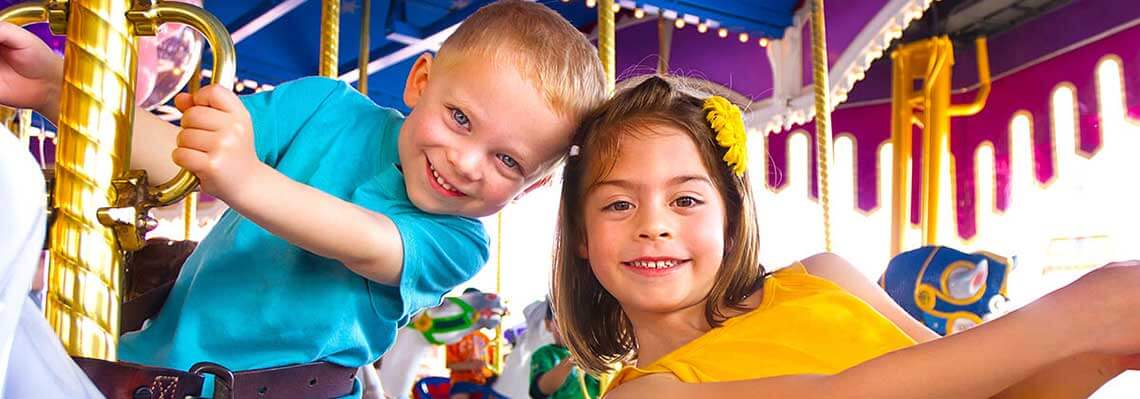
[979, 102]
[225, 69]
[24, 13]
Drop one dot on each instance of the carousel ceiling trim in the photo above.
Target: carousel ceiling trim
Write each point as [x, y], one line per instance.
[772, 115]
[429, 43]
[264, 20]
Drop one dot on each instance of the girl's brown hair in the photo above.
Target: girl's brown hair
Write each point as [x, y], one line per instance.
[591, 320]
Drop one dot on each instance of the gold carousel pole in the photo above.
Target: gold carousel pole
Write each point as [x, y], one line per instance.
[606, 42]
[936, 137]
[365, 46]
[822, 115]
[902, 113]
[93, 147]
[497, 361]
[330, 38]
[664, 43]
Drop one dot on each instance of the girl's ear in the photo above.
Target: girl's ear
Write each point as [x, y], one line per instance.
[583, 251]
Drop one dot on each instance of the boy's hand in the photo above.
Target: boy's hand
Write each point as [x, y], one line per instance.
[30, 73]
[216, 141]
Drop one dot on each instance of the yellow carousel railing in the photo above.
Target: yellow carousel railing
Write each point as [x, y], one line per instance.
[100, 204]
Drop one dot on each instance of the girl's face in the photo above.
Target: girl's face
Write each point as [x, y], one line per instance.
[655, 224]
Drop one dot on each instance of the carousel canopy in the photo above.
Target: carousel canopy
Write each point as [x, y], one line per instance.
[728, 42]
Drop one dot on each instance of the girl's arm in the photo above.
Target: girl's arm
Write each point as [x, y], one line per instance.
[995, 356]
[1074, 377]
[986, 359]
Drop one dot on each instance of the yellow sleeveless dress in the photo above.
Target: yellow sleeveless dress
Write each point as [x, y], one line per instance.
[803, 325]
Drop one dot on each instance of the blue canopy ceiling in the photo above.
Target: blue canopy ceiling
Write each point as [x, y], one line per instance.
[287, 46]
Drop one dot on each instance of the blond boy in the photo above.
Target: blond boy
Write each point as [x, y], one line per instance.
[347, 218]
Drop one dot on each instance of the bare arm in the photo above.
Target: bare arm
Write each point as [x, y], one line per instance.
[367, 242]
[999, 354]
[1075, 320]
[216, 144]
[555, 377]
[1074, 377]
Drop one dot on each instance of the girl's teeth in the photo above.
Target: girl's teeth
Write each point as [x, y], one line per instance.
[654, 265]
[447, 187]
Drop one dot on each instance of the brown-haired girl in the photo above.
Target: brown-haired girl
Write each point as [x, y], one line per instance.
[656, 267]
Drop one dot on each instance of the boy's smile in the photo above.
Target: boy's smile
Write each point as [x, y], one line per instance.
[479, 133]
[441, 184]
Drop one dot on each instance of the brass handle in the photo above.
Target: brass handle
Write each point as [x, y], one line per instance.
[24, 13]
[225, 68]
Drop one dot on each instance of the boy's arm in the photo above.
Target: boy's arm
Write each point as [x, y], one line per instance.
[366, 242]
[216, 144]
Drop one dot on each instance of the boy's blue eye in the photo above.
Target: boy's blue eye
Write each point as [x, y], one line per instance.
[508, 161]
[619, 206]
[686, 202]
[460, 118]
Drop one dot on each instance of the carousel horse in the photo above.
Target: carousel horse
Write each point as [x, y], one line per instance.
[444, 324]
[948, 290]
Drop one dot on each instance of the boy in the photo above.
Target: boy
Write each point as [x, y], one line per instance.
[346, 217]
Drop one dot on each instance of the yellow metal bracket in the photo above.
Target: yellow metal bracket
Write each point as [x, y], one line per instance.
[56, 15]
[929, 61]
[128, 216]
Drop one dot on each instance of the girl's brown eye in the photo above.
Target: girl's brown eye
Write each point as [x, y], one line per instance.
[686, 202]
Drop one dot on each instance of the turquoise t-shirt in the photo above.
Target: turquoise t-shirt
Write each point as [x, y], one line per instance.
[247, 299]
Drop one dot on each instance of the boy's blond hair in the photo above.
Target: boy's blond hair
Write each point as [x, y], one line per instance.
[554, 56]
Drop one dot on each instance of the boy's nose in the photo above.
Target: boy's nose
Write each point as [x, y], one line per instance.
[467, 163]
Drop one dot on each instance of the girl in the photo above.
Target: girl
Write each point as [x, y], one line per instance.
[656, 266]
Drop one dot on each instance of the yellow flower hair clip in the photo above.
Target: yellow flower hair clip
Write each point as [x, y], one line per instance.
[728, 123]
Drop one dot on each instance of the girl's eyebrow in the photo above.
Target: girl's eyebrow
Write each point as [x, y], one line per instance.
[629, 184]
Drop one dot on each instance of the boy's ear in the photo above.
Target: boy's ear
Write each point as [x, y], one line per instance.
[417, 80]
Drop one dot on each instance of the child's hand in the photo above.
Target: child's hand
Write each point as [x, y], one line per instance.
[1105, 303]
[30, 73]
[216, 141]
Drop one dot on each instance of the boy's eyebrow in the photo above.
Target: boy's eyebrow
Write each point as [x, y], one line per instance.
[629, 185]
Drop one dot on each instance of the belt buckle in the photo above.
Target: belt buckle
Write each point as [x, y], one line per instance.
[223, 378]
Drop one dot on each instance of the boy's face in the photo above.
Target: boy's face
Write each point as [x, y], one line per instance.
[479, 134]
